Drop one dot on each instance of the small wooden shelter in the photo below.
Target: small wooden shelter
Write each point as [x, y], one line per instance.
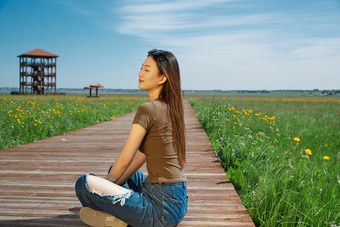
[38, 69]
[94, 86]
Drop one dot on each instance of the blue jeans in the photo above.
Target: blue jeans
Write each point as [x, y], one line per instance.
[146, 204]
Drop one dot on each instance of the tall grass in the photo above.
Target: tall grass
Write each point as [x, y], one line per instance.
[282, 155]
[26, 119]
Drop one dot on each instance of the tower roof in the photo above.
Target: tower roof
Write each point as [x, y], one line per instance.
[38, 53]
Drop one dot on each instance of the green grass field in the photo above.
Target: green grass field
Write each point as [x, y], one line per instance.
[25, 119]
[282, 155]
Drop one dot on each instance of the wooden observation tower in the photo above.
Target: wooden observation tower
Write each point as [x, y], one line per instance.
[38, 72]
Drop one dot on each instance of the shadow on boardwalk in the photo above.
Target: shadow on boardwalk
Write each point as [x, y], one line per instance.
[37, 179]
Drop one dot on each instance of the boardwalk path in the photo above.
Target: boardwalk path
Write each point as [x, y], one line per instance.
[37, 179]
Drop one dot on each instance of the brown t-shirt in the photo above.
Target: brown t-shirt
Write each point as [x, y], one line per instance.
[161, 159]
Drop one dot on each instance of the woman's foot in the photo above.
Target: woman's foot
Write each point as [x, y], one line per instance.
[97, 218]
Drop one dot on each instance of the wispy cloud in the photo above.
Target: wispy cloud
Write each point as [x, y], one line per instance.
[187, 24]
[174, 6]
[230, 39]
[190, 18]
[319, 48]
[234, 42]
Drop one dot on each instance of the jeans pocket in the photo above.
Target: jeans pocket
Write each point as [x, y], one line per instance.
[173, 211]
[179, 192]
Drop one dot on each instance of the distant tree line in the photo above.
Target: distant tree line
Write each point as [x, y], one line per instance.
[111, 90]
[297, 91]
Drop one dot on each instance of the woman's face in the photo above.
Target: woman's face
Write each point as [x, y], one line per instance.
[149, 76]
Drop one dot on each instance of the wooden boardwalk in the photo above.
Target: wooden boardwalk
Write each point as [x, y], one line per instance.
[37, 179]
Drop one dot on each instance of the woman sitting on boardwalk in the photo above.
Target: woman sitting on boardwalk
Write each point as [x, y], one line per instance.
[157, 137]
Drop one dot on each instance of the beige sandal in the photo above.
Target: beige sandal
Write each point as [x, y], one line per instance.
[97, 218]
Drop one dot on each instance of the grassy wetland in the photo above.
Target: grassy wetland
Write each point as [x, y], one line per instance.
[25, 119]
[281, 153]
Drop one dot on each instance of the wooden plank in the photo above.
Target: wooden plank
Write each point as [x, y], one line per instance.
[37, 179]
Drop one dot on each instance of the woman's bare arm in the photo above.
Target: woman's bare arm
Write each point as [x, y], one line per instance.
[137, 162]
[128, 153]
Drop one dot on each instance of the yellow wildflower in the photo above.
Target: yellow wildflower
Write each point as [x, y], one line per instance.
[297, 139]
[325, 157]
[308, 151]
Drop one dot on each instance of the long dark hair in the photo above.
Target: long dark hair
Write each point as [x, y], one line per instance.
[171, 94]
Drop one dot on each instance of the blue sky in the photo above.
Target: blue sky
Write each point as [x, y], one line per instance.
[220, 44]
